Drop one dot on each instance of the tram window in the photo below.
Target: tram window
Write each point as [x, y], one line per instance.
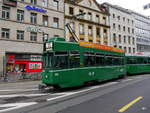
[44, 58]
[89, 59]
[116, 61]
[60, 60]
[108, 60]
[140, 60]
[61, 53]
[74, 59]
[121, 61]
[131, 61]
[148, 60]
[99, 59]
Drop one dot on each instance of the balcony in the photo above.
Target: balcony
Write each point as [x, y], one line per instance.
[12, 3]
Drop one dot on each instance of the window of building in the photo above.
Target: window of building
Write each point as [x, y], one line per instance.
[128, 20]
[114, 26]
[113, 15]
[81, 28]
[81, 12]
[132, 31]
[20, 35]
[114, 38]
[56, 22]
[45, 3]
[90, 30]
[33, 1]
[98, 31]
[132, 22]
[56, 4]
[104, 20]
[105, 33]
[33, 18]
[45, 37]
[133, 41]
[119, 27]
[33, 36]
[118, 17]
[125, 39]
[129, 39]
[45, 20]
[119, 38]
[120, 47]
[128, 30]
[5, 33]
[89, 16]
[124, 28]
[20, 15]
[133, 50]
[124, 19]
[71, 10]
[5, 12]
[97, 19]
[125, 49]
[129, 49]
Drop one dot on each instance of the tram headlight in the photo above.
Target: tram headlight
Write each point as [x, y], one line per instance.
[49, 46]
[46, 76]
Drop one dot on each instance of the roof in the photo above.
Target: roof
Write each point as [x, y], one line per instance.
[101, 7]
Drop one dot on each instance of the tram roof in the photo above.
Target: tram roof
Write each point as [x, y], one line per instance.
[101, 47]
[86, 44]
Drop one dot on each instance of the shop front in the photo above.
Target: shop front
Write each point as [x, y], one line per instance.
[17, 63]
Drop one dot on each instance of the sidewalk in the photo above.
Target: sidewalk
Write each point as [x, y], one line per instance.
[20, 77]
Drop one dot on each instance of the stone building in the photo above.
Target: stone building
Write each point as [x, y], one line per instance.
[24, 25]
[93, 26]
[122, 24]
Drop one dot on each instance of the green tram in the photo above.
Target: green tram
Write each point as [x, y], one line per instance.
[137, 64]
[68, 64]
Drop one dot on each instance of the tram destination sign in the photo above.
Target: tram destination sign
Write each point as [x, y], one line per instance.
[28, 7]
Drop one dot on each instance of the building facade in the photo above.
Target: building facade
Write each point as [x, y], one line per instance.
[142, 31]
[24, 25]
[93, 26]
[122, 29]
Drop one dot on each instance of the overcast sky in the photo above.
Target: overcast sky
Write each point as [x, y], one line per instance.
[136, 5]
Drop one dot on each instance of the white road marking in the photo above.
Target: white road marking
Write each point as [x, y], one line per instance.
[126, 80]
[15, 106]
[72, 93]
[20, 95]
[144, 108]
[12, 90]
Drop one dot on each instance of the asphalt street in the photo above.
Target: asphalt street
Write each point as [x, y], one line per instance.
[129, 95]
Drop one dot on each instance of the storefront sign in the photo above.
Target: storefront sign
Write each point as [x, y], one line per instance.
[36, 58]
[34, 29]
[35, 65]
[28, 7]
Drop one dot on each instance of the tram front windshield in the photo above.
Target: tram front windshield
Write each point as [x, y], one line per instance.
[61, 60]
[55, 60]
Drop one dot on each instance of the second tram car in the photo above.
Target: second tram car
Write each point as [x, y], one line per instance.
[137, 64]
